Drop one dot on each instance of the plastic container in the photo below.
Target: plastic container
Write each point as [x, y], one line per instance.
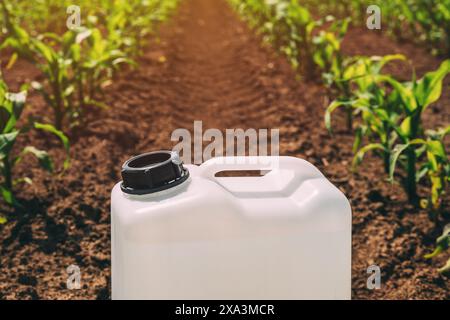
[181, 232]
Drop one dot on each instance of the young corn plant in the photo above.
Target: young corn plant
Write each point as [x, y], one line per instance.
[11, 109]
[437, 168]
[377, 108]
[288, 26]
[128, 23]
[359, 94]
[148, 15]
[75, 65]
[420, 21]
[94, 63]
[291, 29]
[328, 55]
[256, 12]
[435, 165]
[52, 63]
[442, 244]
[430, 22]
[332, 63]
[391, 119]
[414, 98]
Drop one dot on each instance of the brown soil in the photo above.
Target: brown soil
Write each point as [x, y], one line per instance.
[217, 71]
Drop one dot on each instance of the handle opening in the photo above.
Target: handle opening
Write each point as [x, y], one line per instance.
[241, 173]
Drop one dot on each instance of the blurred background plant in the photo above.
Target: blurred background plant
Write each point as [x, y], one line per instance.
[11, 110]
[419, 21]
[78, 64]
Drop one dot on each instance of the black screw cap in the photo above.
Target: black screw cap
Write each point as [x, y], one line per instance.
[152, 172]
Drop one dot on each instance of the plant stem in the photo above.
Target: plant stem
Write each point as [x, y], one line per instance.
[386, 161]
[349, 119]
[58, 118]
[411, 187]
[7, 174]
[59, 107]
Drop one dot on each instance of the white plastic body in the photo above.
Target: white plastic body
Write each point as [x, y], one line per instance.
[285, 235]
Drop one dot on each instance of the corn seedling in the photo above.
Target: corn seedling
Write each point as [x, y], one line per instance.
[414, 97]
[75, 66]
[391, 121]
[420, 21]
[53, 64]
[11, 108]
[358, 93]
[332, 63]
[442, 244]
[286, 25]
[328, 55]
[437, 168]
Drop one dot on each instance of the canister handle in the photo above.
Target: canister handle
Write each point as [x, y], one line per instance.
[300, 167]
[218, 164]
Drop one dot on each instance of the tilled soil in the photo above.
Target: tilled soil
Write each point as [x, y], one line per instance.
[208, 66]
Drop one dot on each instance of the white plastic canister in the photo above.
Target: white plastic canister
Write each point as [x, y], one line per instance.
[180, 232]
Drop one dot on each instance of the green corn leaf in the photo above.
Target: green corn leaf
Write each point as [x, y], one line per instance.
[124, 60]
[331, 108]
[68, 91]
[432, 161]
[380, 62]
[417, 141]
[50, 128]
[422, 173]
[50, 35]
[64, 139]
[98, 104]
[436, 191]
[382, 114]
[436, 148]
[6, 142]
[75, 52]
[67, 40]
[12, 61]
[404, 92]
[445, 131]
[45, 51]
[420, 150]
[17, 104]
[7, 195]
[442, 243]
[43, 157]
[358, 139]
[435, 252]
[429, 88]
[395, 154]
[358, 158]
[446, 268]
[405, 128]
[26, 180]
